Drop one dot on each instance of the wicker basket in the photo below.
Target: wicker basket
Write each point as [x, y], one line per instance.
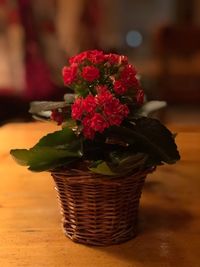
[98, 210]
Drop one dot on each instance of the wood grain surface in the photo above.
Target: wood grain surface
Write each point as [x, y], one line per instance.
[30, 228]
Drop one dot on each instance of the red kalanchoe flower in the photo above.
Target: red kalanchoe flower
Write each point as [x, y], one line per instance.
[128, 76]
[111, 105]
[101, 88]
[121, 113]
[115, 119]
[115, 112]
[113, 59]
[69, 74]
[98, 123]
[96, 56]
[88, 132]
[123, 110]
[104, 98]
[77, 109]
[89, 104]
[57, 116]
[119, 88]
[123, 59]
[78, 58]
[140, 97]
[90, 73]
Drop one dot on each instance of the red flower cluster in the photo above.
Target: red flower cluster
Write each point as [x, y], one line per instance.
[94, 56]
[128, 76]
[102, 82]
[92, 68]
[96, 113]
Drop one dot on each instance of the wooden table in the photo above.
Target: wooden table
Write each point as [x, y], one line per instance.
[30, 229]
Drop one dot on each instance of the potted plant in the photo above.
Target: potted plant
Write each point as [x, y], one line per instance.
[105, 148]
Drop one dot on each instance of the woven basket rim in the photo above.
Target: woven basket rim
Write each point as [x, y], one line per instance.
[77, 176]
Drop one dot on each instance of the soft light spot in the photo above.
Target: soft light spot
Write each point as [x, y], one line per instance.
[134, 38]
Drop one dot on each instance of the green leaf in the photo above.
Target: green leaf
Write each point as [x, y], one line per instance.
[70, 123]
[58, 139]
[51, 165]
[55, 149]
[103, 168]
[151, 137]
[81, 90]
[48, 154]
[127, 162]
[21, 156]
[43, 158]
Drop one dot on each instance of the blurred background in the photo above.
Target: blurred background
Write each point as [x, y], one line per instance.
[161, 37]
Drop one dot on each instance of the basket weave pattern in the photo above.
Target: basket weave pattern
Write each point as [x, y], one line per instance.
[98, 210]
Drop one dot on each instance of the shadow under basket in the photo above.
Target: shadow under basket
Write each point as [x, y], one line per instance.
[99, 210]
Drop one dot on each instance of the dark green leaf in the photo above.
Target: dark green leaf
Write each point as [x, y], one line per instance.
[43, 158]
[82, 90]
[21, 156]
[151, 137]
[60, 139]
[52, 150]
[127, 162]
[51, 166]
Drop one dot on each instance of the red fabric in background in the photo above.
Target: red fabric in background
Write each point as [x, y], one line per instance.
[39, 84]
[91, 19]
[41, 80]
